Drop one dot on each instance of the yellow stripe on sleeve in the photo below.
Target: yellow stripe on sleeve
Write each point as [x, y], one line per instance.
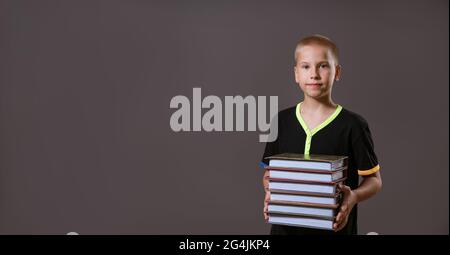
[369, 171]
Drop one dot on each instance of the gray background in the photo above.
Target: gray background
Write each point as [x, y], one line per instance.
[85, 141]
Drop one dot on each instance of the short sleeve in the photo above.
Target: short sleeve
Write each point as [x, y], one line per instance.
[363, 149]
[271, 148]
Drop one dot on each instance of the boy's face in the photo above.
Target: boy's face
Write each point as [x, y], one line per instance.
[316, 70]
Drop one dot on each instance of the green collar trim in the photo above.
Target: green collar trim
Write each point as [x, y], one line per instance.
[322, 125]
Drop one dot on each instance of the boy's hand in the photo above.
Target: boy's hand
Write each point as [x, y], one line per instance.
[266, 205]
[267, 196]
[349, 200]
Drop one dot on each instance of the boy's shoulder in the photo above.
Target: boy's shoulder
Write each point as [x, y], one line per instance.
[288, 112]
[288, 116]
[353, 118]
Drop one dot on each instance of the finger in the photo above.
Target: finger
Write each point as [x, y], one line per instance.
[342, 187]
[343, 208]
[338, 218]
[345, 188]
[341, 225]
[337, 226]
[343, 212]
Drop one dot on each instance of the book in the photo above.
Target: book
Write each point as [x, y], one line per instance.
[301, 221]
[306, 187]
[302, 174]
[302, 209]
[320, 162]
[327, 200]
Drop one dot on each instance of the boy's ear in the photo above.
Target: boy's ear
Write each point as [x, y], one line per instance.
[337, 75]
[296, 74]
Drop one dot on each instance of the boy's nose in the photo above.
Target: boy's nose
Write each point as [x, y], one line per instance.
[315, 75]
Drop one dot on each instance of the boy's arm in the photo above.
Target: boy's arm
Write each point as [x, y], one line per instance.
[369, 186]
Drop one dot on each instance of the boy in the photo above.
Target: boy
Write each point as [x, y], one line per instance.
[319, 126]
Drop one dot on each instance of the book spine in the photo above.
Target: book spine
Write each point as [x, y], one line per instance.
[305, 193]
[329, 206]
[305, 170]
[332, 183]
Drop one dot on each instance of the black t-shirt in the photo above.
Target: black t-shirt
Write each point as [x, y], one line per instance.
[344, 133]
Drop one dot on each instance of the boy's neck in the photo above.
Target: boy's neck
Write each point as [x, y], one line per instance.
[318, 104]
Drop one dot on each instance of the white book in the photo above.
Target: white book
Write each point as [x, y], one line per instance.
[301, 210]
[301, 222]
[302, 187]
[303, 198]
[318, 162]
[300, 164]
[306, 176]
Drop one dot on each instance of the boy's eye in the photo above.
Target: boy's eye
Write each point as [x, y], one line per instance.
[324, 65]
[305, 67]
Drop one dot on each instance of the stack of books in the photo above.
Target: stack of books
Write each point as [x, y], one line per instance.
[303, 189]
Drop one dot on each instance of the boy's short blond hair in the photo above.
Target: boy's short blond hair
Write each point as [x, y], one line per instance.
[319, 40]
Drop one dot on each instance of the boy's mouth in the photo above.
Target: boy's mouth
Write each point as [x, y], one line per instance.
[314, 84]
